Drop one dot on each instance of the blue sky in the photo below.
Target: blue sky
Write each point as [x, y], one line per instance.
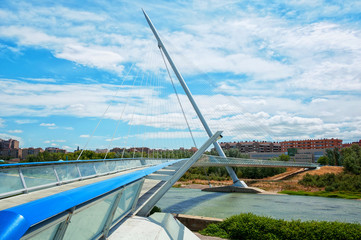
[259, 70]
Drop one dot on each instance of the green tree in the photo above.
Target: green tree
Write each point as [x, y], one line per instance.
[334, 156]
[352, 159]
[323, 160]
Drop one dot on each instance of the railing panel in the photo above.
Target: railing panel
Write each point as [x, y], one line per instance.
[86, 169]
[10, 180]
[47, 234]
[111, 165]
[127, 200]
[37, 176]
[67, 172]
[101, 168]
[89, 222]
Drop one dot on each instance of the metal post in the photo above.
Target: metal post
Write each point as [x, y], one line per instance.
[23, 180]
[218, 148]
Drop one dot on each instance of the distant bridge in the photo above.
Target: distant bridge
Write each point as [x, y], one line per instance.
[208, 160]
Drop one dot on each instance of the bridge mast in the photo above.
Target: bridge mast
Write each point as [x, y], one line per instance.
[218, 148]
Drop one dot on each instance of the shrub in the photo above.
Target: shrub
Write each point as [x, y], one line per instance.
[250, 226]
[337, 182]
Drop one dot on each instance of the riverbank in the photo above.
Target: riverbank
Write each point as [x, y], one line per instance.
[284, 183]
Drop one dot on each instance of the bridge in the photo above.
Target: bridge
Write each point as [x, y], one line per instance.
[98, 199]
[106, 198]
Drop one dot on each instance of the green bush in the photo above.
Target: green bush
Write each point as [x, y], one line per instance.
[333, 182]
[250, 226]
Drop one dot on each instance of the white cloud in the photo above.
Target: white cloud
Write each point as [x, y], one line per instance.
[25, 121]
[2, 122]
[84, 136]
[47, 124]
[15, 131]
[8, 136]
[54, 141]
[285, 68]
[40, 79]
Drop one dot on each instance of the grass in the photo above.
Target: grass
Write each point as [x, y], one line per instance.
[337, 194]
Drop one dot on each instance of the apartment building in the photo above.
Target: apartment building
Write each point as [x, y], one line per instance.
[31, 151]
[254, 146]
[312, 144]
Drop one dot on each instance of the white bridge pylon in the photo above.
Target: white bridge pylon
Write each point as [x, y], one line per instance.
[236, 181]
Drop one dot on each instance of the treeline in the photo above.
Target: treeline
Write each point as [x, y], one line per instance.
[348, 157]
[348, 180]
[250, 226]
[88, 154]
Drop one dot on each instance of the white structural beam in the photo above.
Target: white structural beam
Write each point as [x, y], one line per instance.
[218, 148]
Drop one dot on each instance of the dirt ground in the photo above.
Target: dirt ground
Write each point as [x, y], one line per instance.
[271, 184]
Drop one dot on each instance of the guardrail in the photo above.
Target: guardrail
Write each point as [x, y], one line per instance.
[93, 210]
[25, 177]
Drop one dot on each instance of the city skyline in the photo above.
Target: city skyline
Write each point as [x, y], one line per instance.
[263, 71]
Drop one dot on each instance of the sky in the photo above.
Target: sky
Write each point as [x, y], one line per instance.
[90, 74]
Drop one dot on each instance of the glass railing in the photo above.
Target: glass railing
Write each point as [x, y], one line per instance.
[87, 212]
[22, 178]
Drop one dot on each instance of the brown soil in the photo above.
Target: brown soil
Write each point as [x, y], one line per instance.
[270, 184]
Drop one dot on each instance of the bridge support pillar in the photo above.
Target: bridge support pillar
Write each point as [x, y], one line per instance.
[161, 46]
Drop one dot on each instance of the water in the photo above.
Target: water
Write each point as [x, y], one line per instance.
[223, 205]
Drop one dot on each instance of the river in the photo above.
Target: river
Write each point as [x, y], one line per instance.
[223, 205]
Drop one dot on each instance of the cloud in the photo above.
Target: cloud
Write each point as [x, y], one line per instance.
[54, 141]
[284, 70]
[168, 135]
[8, 136]
[25, 121]
[84, 136]
[15, 131]
[2, 121]
[47, 124]
[50, 80]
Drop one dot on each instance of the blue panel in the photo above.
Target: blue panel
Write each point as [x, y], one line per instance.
[12, 225]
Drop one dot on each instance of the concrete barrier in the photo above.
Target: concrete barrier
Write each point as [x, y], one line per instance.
[196, 223]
